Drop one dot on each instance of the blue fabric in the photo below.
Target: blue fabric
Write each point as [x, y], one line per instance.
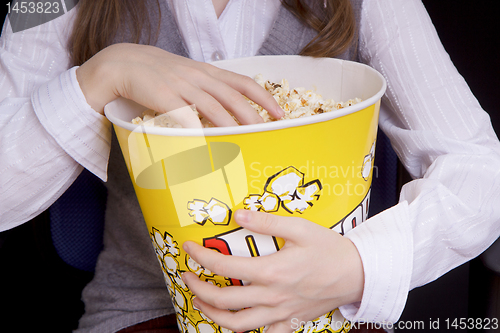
[77, 222]
[384, 192]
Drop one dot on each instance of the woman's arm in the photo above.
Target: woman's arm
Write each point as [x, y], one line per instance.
[52, 119]
[47, 130]
[448, 214]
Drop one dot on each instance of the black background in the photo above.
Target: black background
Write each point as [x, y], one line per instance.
[42, 290]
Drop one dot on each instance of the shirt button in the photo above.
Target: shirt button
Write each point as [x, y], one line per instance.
[217, 56]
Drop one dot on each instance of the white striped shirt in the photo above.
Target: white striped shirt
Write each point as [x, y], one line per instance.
[447, 216]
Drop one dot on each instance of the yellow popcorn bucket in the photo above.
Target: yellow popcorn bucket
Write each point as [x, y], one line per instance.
[189, 182]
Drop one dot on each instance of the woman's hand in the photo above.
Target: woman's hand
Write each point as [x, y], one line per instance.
[163, 82]
[316, 271]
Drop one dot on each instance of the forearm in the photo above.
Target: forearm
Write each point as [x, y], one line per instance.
[47, 130]
[44, 142]
[445, 140]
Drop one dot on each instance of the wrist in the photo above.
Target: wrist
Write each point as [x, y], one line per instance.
[385, 244]
[355, 274]
[95, 78]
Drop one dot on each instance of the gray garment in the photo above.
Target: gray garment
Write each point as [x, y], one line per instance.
[128, 286]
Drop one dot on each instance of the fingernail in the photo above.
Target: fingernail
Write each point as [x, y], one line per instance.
[196, 304]
[185, 246]
[243, 216]
[280, 112]
[185, 277]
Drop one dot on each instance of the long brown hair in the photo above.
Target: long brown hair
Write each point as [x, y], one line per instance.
[98, 22]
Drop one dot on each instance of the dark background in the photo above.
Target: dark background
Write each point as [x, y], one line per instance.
[470, 33]
[40, 293]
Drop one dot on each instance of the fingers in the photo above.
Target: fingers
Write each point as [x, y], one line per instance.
[233, 101]
[224, 90]
[243, 320]
[292, 229]
[185, 117]
[227, 298]
[163, 82]
[154, 94]
[187, 86]
[251, 89]
[241, 268]
[213, 97]
[281, 327]
[210, 107]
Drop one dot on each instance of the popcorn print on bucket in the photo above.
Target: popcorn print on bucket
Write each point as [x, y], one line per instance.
[332, 322]
[368, 163]
[167, 252]
[173, 263]
[285, 189]
[214, 211]
[189, 319]
[268, 202]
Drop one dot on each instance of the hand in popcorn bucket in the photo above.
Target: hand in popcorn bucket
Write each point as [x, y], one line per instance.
[190, 182]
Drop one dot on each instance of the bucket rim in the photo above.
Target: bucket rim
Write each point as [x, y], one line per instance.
[244, 129]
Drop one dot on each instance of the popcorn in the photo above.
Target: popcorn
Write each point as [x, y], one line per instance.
[146, 117]
[186, 117]
[296, 103]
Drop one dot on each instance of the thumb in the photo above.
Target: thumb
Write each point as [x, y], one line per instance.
[293, 229]
[281, 327]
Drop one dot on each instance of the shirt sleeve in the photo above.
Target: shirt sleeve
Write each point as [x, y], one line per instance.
[48, 132]
[449, 213]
